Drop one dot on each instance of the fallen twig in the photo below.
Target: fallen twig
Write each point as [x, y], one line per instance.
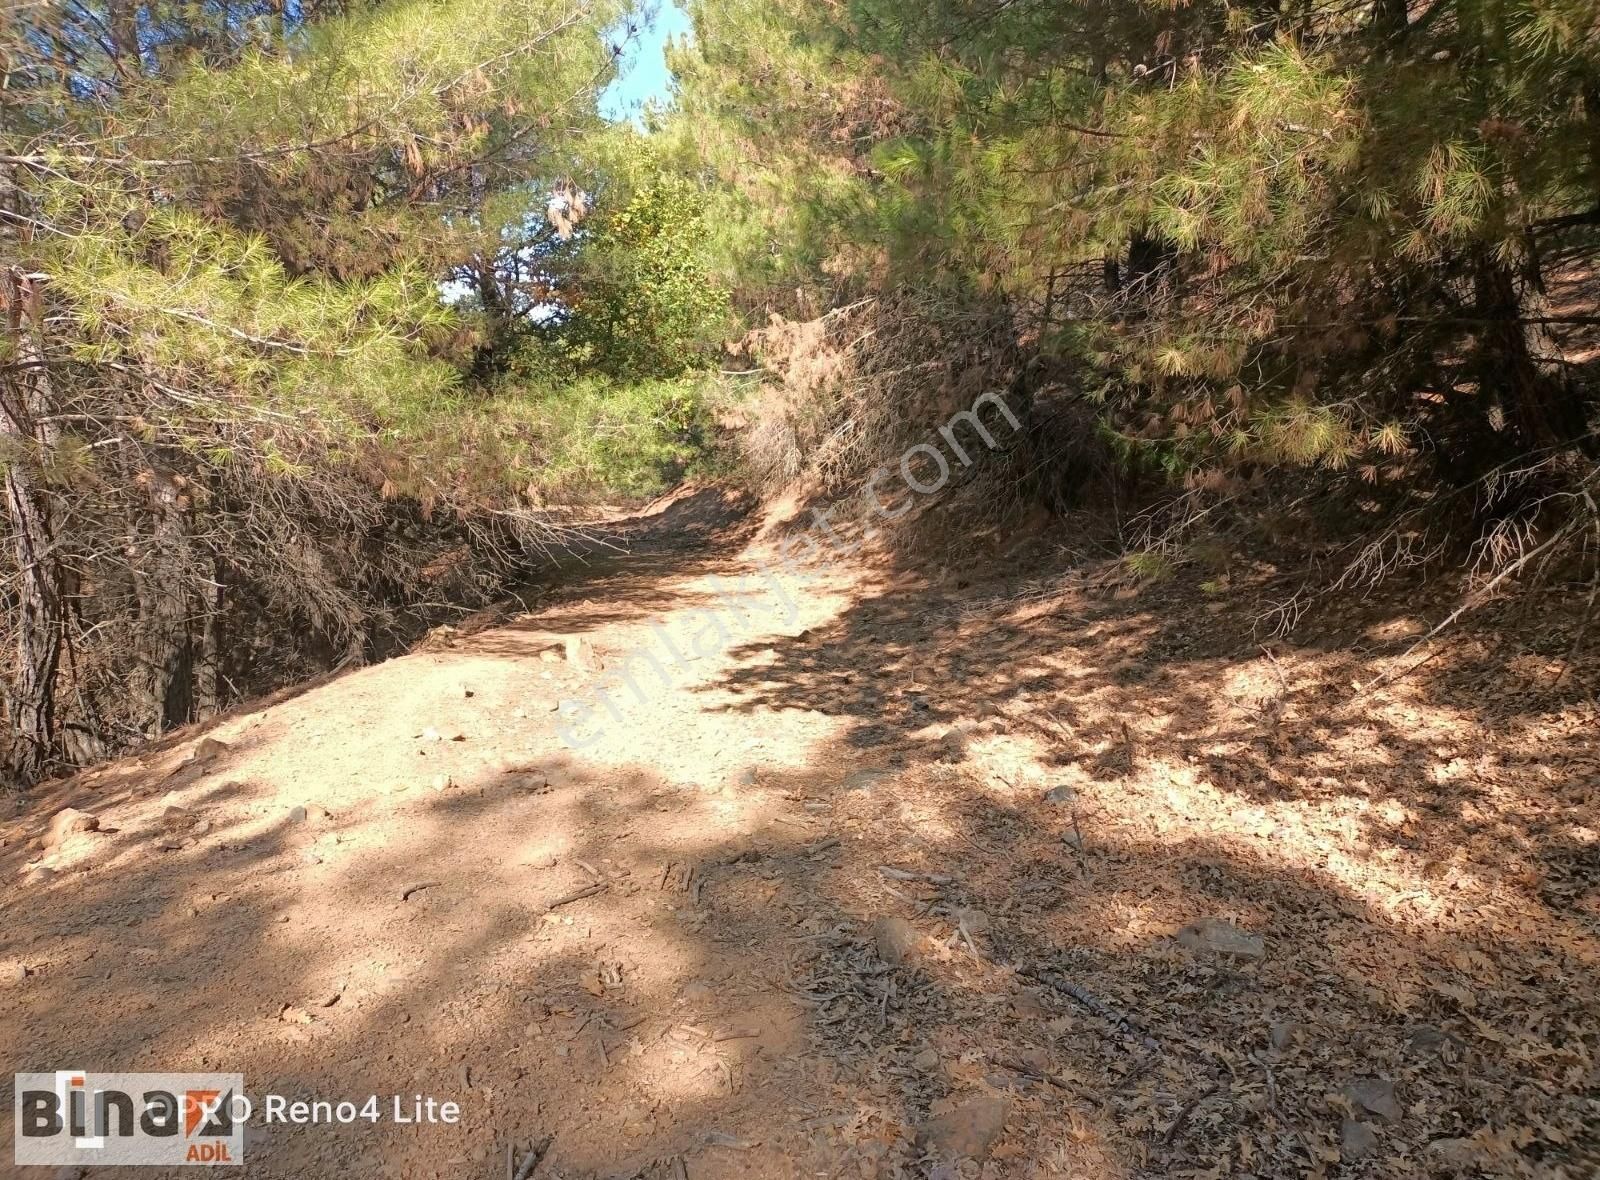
[418, 887]
[723, 1139]
[1273, 660]
[1094, 1004]
[1054, 1079]
[576, 895]
[895, 874]
[531, 1160]
[1471, 601]
[1183, 1115]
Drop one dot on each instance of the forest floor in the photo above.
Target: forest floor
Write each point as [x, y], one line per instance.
[1032, 875]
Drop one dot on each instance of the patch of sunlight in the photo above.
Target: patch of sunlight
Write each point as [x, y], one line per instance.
[1394, 629]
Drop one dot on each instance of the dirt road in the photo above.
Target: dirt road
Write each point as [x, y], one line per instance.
[762, 912]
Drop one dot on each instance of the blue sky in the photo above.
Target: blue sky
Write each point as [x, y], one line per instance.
[644, 75]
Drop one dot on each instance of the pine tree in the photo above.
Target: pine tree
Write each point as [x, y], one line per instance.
[1316, 237]
[225, 347]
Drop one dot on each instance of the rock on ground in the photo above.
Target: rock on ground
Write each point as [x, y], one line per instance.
[1221, 937]
[67, 822]
[968, 1130]
[897, 940]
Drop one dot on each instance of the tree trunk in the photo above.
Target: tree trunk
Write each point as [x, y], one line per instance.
[124, 22]
[163, 686]
[38, 608]
[1391, 18]
[1591, 116]
[208, 676]
[1540, 402]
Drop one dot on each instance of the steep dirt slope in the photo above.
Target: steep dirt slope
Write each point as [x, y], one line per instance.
[892, 878]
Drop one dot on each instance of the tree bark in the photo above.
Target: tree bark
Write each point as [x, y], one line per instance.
[164, 684]
[1391, 18]
[38, 606]
[124, 21]
[1542, 404]
[208, 677]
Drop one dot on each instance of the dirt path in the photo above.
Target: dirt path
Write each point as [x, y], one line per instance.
[355, 897]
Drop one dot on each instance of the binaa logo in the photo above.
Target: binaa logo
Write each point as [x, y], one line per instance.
[96, 1119]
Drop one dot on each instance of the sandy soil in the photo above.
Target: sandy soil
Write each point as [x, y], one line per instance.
[894, 878]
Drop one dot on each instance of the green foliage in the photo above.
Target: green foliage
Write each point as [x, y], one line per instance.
[261, 241]
[1263, 235]
[597, 438]
[644, 304]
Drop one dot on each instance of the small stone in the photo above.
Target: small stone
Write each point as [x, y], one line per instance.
[1356, 1140]
[39, 875]
[297, 815]
[1375, 1096]
[13, 973]
[968, 1130]
[1222, 937]
[897, 940]
[69, 821]
[926, 1060]
[1284, 1033]
[636, 1119]
[1037, 1060]
[175, 818]
[208, 748]
[1061, 796]
[465, 692]
[976, 921]
[697, 991]
[581, 654]
[542, 860]
[1455, 1153]
[865, 780]
[443, 782]
[203, 828]
[1426, 1040]
[1029, 1004]
[549, 656]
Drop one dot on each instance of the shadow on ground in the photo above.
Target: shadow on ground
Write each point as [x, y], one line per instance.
[1419, 864]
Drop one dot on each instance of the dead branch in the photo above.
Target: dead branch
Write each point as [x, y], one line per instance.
[575, 895]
